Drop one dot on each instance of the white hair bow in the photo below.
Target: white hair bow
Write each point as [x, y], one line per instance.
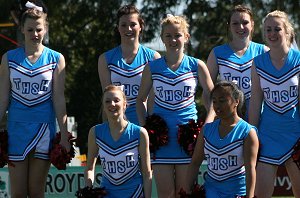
[32, 5]
[121, 87]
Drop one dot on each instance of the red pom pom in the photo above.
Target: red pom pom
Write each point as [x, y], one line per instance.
[89, 192]
[157, 131]
[296, 154]
[187, 135]
[59, 156]
[197, 192]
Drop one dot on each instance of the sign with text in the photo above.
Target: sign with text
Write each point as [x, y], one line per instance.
[64, 184]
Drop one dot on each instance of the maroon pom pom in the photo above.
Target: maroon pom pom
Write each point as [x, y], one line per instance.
[296, 154]
[187, 135]
[157, 131]
[4, 149]
[59, 156]
[89, 192]
[197, 192]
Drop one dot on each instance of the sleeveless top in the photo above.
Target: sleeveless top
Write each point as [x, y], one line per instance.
[119, 159]
[128, 75]
[31, 86]
[234, 67]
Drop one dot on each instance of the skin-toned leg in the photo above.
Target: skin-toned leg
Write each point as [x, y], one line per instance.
[294, 175]
[164, 179]
[265, 177]
[18, 176]
[37, 179]
[180, 174]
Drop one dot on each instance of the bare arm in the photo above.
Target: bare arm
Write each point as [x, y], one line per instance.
[59, 101]
[104, 76]
[212, 66]
[256, 98]
[207, 86]
[250, 156]
[197, 159]
[145, 162]
[4, 86]
[150, 100]
[145, 87]
[89, 173]
[103, 71]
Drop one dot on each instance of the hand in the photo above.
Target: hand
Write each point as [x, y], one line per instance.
[65, 142]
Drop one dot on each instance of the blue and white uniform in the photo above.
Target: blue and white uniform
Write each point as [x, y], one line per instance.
[225, 162]
[279, 127]
[175, 103]
[238, 68]
[31, 117]
[129, 75]
[120, 161]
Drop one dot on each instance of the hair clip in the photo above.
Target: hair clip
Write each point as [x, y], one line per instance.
[32, 5]
[235, 82]
[170, 15]
[121, 87]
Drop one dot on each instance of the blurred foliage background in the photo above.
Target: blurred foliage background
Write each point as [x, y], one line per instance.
[83, 29]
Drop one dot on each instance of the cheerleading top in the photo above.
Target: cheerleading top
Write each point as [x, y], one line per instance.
[119, 159]
[225, 157]
[281, 107]
[175, 103]
[31, 86]
[128, 75]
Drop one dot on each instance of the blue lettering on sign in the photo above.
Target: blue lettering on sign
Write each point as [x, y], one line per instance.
[31, 88]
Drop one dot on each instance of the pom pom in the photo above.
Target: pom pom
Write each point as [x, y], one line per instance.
[296, 154]
[59, 156]
[187, 135]
[158, 132]
[89, 192]
[197, 192]
[4, 149]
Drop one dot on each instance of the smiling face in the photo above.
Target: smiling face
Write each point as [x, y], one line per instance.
[129, 27]
[224, 104]
[174, 37]
[241, 26]
[114, 103]
[275, 32]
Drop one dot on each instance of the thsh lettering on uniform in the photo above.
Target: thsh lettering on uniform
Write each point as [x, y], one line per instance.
[221, 163]
[118, 166]
[31, 88]
[278, 96]
[129, 90]
[242, 81]
[171, 95]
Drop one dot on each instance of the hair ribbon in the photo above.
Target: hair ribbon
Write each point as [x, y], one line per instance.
[32, 5]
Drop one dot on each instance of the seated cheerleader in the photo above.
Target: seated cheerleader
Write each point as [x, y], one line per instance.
[230, 146]
[123, 148]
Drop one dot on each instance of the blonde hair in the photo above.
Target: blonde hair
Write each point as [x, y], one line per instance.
[286, 24]
[180, 20]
